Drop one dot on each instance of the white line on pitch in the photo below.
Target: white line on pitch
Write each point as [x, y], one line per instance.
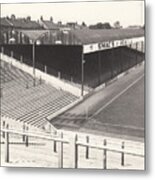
[117, 96]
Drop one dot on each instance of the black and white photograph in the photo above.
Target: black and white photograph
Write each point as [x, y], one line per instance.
[72, 85]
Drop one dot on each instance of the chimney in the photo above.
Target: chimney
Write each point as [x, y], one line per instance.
[51, 19]
[59, 23]
[41, 18]
[13, 17]
[28, 18]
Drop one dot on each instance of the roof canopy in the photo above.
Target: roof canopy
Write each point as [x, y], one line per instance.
[84, 36]
[88, 36]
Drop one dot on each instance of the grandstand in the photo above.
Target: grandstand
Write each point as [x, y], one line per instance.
[23, 101]
[100, 57]
[109, 64]
[97, 58]
[97, 55]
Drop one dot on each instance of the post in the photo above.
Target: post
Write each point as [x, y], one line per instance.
[105, 155]
[27, 138]
[136, 54]
[87, 147]
[2, 50]
[45, 69]
[12, 54]
[71, 79]
[21, 59]
[3, 128]
[24, 132]
[33, 59]
[122, 154]
[73, 151]
[55, 146]
[142, 46]
[7, 158]
[60, 154]
[82, 73]
[112, 67]
[131, 45]
[59, 74]
[55, 143]
[40, 80]
[121, 64]
[137, 46]
[99, 67]
[76, 151]
[34, 81]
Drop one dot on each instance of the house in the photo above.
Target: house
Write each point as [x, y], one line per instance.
[11, 29]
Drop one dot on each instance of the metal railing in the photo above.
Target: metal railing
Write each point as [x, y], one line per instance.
[75, 144]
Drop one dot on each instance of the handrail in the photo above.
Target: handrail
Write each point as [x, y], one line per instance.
[75, 144]
[30, 134]
[48, 137]
[104, 147]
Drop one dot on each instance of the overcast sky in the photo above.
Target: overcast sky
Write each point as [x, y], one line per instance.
[127, 12]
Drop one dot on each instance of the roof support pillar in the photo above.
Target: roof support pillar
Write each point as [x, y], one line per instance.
[82, 73]
[99, 67]
[33, 59]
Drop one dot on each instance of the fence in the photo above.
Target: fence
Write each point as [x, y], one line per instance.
[43, 67]
[74, 145]
[56, 82]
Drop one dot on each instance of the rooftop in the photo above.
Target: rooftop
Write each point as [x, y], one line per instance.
[50, 25]
[21, 23]
[25, 24]
[4, 22]
[87, 36]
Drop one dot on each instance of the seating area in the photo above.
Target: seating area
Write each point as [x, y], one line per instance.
[26, 102]
[101, 67]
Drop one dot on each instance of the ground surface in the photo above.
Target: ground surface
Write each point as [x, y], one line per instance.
[117, 109]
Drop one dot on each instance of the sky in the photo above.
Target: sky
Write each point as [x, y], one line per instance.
[127, 12]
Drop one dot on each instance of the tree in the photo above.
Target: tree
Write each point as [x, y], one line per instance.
[117, 25]
[100, 25]
[84, 24]
[28, 18]
[13, 17]
[41, 18]
[51, 19]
